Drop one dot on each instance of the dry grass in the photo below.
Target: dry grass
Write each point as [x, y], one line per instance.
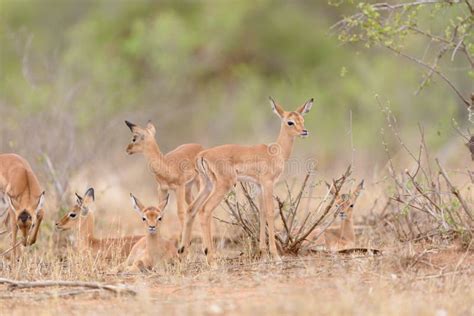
[427, 277]
[408, 279]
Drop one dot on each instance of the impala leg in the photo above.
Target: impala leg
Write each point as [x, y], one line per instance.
[137, 248]
[39, 219]
[189, 190]
[190, 215]
[206, 243]
[162, 194]
[269, 211]
[181, 203]
[215, 198]
[14, 233]
[263, 236]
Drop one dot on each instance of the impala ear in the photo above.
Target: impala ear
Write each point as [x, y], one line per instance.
[305, 107]
[131, 126]
[151, 128]
[79, 199]
[358, 189]
[40, 204]
[137, 205]
[277, 109]
[89, 196]
[327, 184]
[163, 204]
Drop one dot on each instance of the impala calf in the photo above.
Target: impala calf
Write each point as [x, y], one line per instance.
[81, 218]
[221, 167]
[24, 197]
[174, 171]
[151, 249]
[343, 236]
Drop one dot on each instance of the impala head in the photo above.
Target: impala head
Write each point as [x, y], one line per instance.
[26, 213]
[140, 137]
[293, 122]
[346, 201]
[81, 209]
[151, 216]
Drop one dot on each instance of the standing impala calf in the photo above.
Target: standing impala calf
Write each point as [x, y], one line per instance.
[24, 196]
[152, 248]
[81, 218]
[221, 167]
[174, 171]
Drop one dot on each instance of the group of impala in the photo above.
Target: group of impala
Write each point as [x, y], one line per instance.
[213, 171]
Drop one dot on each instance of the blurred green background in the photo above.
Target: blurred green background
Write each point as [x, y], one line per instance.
[72, 71]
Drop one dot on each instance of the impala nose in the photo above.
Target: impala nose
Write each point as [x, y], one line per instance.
[304, 132]
[24, 216]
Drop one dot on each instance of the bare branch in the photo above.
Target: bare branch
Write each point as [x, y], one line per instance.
[446, 79]
[387, 7]
[338, 185]
[454, 190]
[10, 249]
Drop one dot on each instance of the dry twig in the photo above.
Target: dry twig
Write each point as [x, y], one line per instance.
[12, 285]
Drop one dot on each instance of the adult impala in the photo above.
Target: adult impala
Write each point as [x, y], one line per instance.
[221, 167]
[174, 171]
[24, 197]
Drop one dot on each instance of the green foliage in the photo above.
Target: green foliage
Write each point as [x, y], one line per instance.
[219, 60]
[441, 26]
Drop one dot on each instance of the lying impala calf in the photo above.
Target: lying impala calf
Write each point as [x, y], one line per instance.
[342, 236]
[151, 249]
[174, 171]
[81, 219]
[24, 197]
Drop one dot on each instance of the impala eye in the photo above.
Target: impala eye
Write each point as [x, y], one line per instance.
[290, 123]
[143, 218]
[159, 218]
[134, 139]
[72, 215]
[352, 205]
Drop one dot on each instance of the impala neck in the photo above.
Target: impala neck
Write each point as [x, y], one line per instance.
[29, 196]
[347, 229]
[153, 155]
[286, 143]
[152, 243]
[86, 230]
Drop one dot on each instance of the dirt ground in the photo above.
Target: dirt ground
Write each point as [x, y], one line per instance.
[405, 280]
